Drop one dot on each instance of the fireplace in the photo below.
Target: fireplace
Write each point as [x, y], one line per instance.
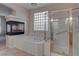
[14, 28]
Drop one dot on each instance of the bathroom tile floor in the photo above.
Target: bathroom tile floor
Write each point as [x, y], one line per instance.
[55, 54]
[58, 54]
[12, 51]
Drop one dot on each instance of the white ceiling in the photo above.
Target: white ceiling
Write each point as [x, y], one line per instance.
[29, 6]
[53, 5]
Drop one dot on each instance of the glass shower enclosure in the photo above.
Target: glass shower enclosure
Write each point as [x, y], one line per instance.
[61, 32]
[62, 36]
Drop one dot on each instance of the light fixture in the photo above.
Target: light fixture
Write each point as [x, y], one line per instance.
[33, 4]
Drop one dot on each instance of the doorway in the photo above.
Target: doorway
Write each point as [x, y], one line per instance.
[2, 32]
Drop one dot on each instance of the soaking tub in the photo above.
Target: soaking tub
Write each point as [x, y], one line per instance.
[26, 43]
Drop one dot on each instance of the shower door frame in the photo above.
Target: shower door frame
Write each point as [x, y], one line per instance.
[70, 30]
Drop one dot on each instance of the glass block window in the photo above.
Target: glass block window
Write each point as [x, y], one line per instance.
[41, 21]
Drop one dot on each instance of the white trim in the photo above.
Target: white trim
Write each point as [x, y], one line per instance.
[11, 16]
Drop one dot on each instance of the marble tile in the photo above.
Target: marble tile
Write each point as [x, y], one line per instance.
[4, 51]
[13, 52]
[55, 54]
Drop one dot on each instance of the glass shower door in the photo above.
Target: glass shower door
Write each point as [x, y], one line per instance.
[75, 14]
[60, 32]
